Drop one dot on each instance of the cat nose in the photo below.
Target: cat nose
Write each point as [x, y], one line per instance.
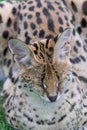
[52, 98]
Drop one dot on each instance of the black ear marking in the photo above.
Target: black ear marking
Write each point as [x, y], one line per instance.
[55, 39]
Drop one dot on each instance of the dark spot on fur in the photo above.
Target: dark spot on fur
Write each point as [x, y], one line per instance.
[66, 91]
[85, 48]
[8, 62]
[60, 29]
[5, 34]
[39, 20]
[72, 61]
[85, 114]
[15, 26]
[75, 74]
[5, 51]
[35, 45]
[47, 42]
[19, 86]
[84, 7]
[9, 22]
[86, 41]
[33, 26]
[25, 25]
[19, 7]
[66, 18]
[36, 116]
[24, 7]
[39, 3]
[81, 78]
[61, 9]
[29, 16]
[73, 19]
[83, 58]
[83, 23]
[5, 96]
[67, 24]
[62, 118]
[78, 43]
[14, 119]
[35, 33]
[41, 55]
[29, 118]
[26, 34]
[10, 73]
[42, 33]
[21, 103]
[84, 123]
[55, 112]
[79, 30]
[50, 6]
[27, 40]
[74, 32]
[64, 2]
[37, 14]
[30, 2]
[20, 16]
[72, 94]
[75, 49]
[1, 5]
[51, 123]
[50, 24]
[77, 60]
[14, 11]
[40, 122]
[56, 2]
[60, 20]
[46, 12]
[84, 105]
[31, 8]
[13, 80]
[49, 36]
[34, 109]
[74, 6]
[35, 52]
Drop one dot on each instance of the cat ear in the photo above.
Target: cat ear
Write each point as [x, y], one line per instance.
[22, 53]
[62, 46]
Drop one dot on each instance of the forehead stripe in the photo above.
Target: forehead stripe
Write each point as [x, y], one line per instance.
[35, 45]
[47, 41]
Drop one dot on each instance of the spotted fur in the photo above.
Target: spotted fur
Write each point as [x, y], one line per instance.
[31, 21]
[48, 66]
